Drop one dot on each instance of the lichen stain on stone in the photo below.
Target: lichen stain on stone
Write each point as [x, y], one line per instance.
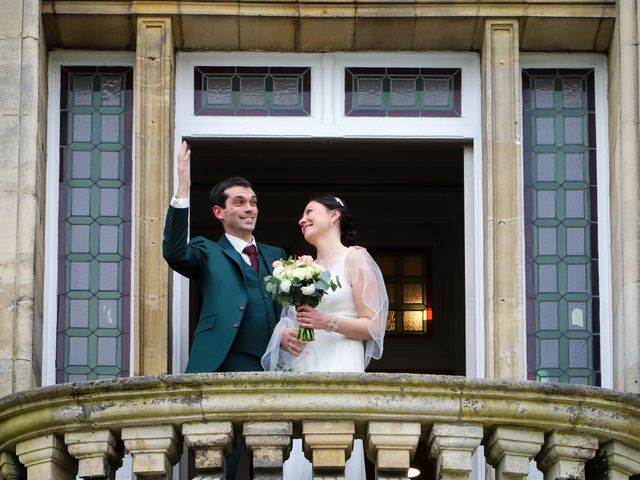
[476, 405]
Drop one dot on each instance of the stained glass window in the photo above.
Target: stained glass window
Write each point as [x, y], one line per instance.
[252, 91]
[408, 281]
[561, 235]
[94, 252]
[403, 92]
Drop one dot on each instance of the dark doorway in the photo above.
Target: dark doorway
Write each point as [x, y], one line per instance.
[406, 197]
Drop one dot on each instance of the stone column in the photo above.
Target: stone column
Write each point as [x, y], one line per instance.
[23, 133]
[154, 133]
[154, 450]
[503, 205]
[10, 468]
[99, 454]
[46, 458]
[452, 445]
[564, 455]
[392, 446]
[269, 443]
[622, 461]
[509, 450]
[328, 445]
[212, 443]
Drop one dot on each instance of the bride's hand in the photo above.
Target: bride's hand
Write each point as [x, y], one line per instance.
[290, 342]
[311, 318]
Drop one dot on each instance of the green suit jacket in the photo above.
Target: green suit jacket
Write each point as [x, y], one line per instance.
[216, 268]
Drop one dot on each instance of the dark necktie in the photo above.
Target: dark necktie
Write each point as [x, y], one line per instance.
[252, 251]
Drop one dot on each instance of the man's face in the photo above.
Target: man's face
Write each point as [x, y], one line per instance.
[240, 213]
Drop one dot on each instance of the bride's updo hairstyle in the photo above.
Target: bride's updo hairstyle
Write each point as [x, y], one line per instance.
[347, 228]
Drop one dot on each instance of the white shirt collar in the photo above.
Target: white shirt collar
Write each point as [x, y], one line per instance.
[238, 243]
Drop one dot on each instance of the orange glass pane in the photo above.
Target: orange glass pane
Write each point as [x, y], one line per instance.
[387, 265]
[412, 293]
[412, 265]
[412, 320]
[391, 321]
[391, 292]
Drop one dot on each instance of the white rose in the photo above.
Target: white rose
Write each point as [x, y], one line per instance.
[277, 271]
[309, 289]
[285, 285]
[299, 274]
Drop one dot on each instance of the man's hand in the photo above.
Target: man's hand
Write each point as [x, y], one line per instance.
[184, 175]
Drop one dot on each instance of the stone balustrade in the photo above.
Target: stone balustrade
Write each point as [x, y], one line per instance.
[83, 429]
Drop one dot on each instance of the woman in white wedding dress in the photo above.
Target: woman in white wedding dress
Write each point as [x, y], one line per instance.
[349, 322]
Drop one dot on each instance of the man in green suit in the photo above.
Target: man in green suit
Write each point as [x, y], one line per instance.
[238, 315]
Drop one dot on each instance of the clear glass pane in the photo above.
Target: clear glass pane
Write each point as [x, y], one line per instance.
[573, 130]
[82, 90]
[548, 278]
[110, 87]
[77, 377]
[109, 200]
[412, 320]
[579, 380]
[80, 202]
[572, 92]
[252, 91]
[108, 276]
[106, 351]
[78, 313]
[545, 131]
[412, 293]
[81, 128]
[110, 128]
[574, 203]
[575, 241]
[549, 379]
[544, 92]
[109, 165]
[546, 200]
[369, 91]
[285, 92]
[577, 315]
[546, 167]
[78, 347]
[576, 278]
[108, 313]
[412, 266]
[80, 238]
[578, 350]
[403, 92]
[574, 167]
[436, 92]
[79, 276]
[547, 244]
[81, 164]
[219, 91]
[549, 353]
[548, 315]
[108, 239]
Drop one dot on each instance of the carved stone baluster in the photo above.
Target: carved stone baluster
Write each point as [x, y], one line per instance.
[46, 458]
[10, 467]
[622, 461]
[452, 445]
[269, 443]
[564, 455]
[154, 450]
[211, 442]
[328, 445]
[99, 453]
[392, 446]
[509, 450]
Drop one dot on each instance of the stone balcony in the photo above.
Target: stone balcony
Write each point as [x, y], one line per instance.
[82, 429]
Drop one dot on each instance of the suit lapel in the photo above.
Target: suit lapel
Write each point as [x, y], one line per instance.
[229, 251]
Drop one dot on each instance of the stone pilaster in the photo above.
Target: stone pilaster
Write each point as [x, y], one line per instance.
[154, 133]
[563, 455]
[392, 446]
[509, 450]
[98, 453]
[622, 461]
[269, 444]
[452, 446]
[154, 450]
[328, 445]
[10, 468]
[211, 442]
[503, 204]
[46, 458]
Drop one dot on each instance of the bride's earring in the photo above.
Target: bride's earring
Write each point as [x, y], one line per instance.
[331, 223]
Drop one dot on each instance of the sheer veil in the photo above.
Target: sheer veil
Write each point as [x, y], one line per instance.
[370, 296]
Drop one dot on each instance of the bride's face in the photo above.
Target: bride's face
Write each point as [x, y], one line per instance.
[316, 220]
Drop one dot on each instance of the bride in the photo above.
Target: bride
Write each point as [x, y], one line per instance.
[349, 322]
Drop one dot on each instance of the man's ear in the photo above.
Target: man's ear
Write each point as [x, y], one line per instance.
[217, 212]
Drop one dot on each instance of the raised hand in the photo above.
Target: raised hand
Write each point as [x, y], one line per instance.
[184, 174]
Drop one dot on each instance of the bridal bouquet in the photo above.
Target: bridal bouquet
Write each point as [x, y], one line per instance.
[299, 282]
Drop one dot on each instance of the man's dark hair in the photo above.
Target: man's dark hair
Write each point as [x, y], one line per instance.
[217, 196]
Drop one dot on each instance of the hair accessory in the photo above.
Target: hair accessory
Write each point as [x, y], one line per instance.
[339, 201]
